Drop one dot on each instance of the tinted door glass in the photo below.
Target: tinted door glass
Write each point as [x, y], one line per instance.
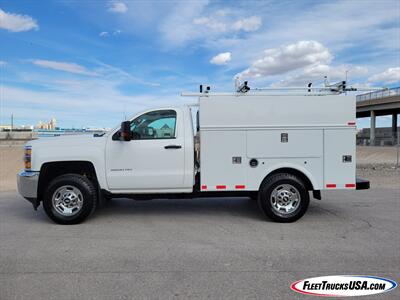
[158, 124]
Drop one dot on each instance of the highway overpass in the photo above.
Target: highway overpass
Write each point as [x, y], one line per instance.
[379, 103]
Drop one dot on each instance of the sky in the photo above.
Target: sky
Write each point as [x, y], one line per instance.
[91, 63]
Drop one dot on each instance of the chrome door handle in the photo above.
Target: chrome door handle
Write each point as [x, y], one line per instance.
[173, 147]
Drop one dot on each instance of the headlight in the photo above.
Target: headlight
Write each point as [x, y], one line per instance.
[27, 157]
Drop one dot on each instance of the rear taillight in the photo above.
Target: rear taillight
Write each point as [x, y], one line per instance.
[27, 158]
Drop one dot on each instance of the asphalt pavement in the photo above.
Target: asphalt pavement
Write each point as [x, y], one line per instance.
[197, 249]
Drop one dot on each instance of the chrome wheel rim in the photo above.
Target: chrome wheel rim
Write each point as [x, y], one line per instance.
[285, 199]
[67, 200]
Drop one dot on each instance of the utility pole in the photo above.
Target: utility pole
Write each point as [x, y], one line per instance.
[12, 122]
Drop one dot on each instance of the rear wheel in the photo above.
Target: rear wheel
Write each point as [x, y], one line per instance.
[70, 199]
[283, 198]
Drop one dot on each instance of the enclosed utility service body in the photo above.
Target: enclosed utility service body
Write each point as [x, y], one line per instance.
[273, 148]
[314, 135]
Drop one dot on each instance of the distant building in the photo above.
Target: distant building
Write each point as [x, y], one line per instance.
[51, 125]
[7, 127]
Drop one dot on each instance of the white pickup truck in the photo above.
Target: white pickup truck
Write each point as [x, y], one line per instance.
[273, 148]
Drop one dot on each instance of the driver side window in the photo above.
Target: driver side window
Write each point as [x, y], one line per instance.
[159, 124]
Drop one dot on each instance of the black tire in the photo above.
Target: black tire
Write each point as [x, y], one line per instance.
[268, 186]
[85, 187]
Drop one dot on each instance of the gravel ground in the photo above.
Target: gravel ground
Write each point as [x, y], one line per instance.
[380, 176]
[376, 155]
[10, 164]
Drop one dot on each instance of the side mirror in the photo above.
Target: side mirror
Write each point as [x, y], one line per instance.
[125, 131]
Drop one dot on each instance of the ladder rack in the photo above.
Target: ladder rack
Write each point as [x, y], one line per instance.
[244, 90]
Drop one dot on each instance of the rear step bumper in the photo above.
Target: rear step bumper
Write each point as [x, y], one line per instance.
[362, 184]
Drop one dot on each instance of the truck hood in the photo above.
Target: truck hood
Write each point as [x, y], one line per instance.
[87, 147]
[83, 140]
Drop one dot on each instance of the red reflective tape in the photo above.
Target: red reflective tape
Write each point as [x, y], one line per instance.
[220, 187]
[331, 185]
[350, 185]
[351, 123]
[240, 187]
[203, 187]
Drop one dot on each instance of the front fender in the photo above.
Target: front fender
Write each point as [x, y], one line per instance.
[94, 155]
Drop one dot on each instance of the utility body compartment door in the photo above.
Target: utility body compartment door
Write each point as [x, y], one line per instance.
[223, 160]
[284, 143]
[340, 158]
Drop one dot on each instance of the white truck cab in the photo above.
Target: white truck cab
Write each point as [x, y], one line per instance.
[276, 148]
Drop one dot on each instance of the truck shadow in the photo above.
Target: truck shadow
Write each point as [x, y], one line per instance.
[125, 209]
[237, 207]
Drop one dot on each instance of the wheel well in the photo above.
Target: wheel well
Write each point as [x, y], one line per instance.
[294, 172]
[51, 170]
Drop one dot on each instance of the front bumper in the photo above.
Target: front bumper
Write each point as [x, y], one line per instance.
[27, 182]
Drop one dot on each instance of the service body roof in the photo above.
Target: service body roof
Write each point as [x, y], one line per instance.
[250, 111]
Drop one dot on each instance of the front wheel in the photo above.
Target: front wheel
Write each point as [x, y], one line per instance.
[283, 198]
[70, 199]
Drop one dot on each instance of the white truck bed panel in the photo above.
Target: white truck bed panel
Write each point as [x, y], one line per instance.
[339, 142]
[217, 170]
[272, 111]
[311, 167]
[300, 143]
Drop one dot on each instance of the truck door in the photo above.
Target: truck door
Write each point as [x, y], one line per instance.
[153, 159]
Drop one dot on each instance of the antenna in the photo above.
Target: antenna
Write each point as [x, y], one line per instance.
[326, 81]
[237, 83]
